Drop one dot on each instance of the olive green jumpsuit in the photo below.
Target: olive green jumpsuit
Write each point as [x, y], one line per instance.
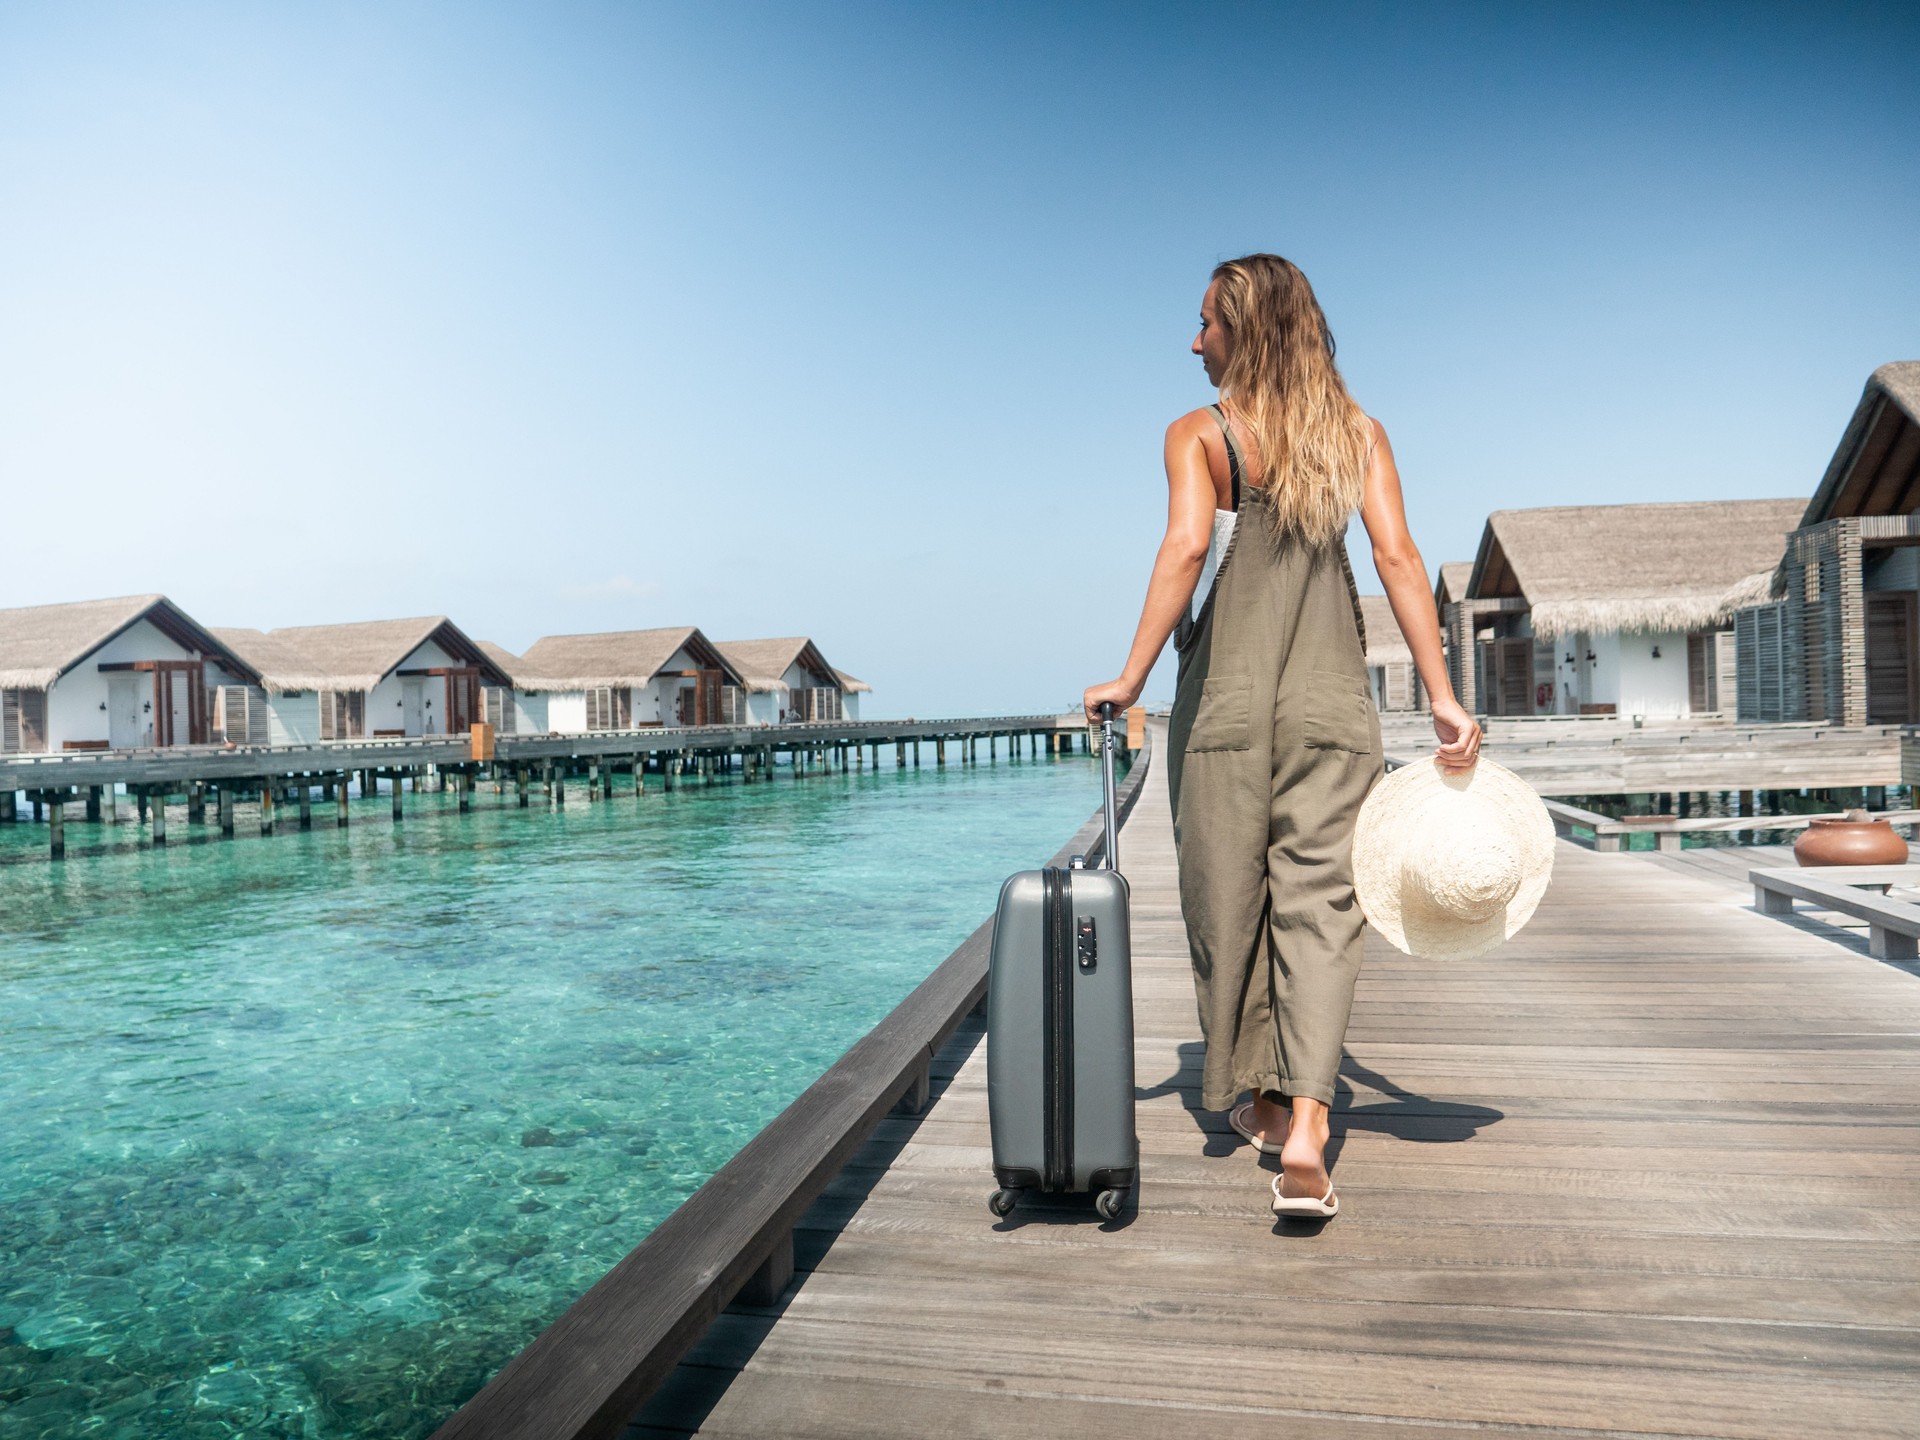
[1273, 744]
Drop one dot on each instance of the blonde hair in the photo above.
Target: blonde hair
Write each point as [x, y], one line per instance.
[1311, 437]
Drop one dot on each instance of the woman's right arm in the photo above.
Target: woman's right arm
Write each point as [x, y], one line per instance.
[1176, 569]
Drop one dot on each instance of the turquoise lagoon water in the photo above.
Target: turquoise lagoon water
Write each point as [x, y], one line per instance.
[307, 1135]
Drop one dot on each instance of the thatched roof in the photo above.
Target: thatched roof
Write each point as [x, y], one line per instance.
[1385, 644]
[763, 664]
[1609, 568]
[505, 661]
[358, 656]
[1452, 585]
[851, 685]
[1875, 469]
[614, 658]
[40, 643]
[275, 659]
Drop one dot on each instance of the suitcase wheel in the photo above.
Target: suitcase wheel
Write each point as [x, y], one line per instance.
[1001, 1201]
[1109, 1202]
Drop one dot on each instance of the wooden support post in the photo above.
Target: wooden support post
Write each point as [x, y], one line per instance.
[463, 783]
[112, 798]
[916, 754]
[520, 785]
[57, 829]
[593, 780]
[1882, 943]
[900, 754]
[159, 814]
[141, 806]
[226, 811]
[919, 1090]
[196, 803]
[305, 792]
[559, 786]
[1771, 902]
[93, 803]
[266, 807]
[1668, 841]
[639, 776]
[340, 802]
[9, 803]
[399, 812]
[940, 751]
[767, 1284]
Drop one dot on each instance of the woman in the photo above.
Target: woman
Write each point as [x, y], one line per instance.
[1274, 741]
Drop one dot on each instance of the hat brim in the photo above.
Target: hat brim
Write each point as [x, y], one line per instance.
[1415, 798]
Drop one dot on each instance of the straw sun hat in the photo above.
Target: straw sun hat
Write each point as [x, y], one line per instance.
[1448, 866]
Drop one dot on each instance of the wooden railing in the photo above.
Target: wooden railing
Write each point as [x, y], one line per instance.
[587, 1373]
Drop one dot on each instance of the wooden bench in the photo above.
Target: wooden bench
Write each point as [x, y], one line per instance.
[84, 745]
[1893, 926]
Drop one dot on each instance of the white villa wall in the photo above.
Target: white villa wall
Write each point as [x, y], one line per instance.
[530, 712]
[293, 719]
[850, 704]
[386, 703]
[1642, 685]
[764, 706]
[77, 701]
[566, 712]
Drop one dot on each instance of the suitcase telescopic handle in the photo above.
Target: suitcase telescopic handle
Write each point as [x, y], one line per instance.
[1107, 747]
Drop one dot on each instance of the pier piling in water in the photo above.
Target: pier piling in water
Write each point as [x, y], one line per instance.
[266, 807]
[306, 807]
[226, 811]
[159, 814]
[57, 829]
[340, 799]
[398, 813]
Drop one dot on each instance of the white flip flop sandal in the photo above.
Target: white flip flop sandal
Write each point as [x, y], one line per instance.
[1304, 1207]
[1245, 1131]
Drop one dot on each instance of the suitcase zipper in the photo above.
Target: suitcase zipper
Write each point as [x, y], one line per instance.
[1058, 1085]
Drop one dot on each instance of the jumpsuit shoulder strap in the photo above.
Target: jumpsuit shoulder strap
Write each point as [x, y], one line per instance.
[1233, 452]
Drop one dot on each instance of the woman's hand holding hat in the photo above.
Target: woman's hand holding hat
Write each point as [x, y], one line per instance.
[1459, 735]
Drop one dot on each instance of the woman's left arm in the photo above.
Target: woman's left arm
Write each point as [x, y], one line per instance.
[1404, 574]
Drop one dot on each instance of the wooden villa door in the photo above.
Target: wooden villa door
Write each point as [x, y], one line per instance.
[462, 699]
[1891, 671]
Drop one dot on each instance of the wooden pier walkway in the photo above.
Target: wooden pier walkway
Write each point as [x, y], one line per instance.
[1651, 1169]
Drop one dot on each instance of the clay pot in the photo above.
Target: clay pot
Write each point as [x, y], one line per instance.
[1855, 840]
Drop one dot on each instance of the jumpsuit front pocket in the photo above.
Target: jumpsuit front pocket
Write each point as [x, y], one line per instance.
[1221, 721]
[1337, 715]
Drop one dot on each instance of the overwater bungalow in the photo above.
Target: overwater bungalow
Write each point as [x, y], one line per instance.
[1390, 671]
[1612, 609]
[789, 680]
[130, 672]
[633, 680]
[368, 679]
[517, 708]
[1837, 637]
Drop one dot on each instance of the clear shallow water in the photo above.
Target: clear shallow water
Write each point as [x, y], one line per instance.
[307, 1135]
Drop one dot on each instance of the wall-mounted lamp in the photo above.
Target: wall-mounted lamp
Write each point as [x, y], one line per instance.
[1656, 652]
[1590, 657]
[103, 704]
[146, 707]
[1569, 657]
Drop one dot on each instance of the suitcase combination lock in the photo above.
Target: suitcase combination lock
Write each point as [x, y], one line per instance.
[1088, 946]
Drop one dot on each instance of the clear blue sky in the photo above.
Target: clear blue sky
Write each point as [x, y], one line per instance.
[865, 321]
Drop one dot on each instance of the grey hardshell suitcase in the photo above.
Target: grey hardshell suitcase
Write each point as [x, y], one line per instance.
[1060, 1029]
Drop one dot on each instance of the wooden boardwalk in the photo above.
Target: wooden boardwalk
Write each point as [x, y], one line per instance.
[1650, 1169]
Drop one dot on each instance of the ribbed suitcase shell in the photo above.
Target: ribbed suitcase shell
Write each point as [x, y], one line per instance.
[1060, 1081]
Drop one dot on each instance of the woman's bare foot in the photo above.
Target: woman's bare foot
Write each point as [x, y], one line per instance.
[1266, 1121]
[1304, 1155]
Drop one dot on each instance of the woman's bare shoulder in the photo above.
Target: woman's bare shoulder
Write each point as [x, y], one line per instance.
[1195, 424]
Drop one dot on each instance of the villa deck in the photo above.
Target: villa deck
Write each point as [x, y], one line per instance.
[1652, 1168]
